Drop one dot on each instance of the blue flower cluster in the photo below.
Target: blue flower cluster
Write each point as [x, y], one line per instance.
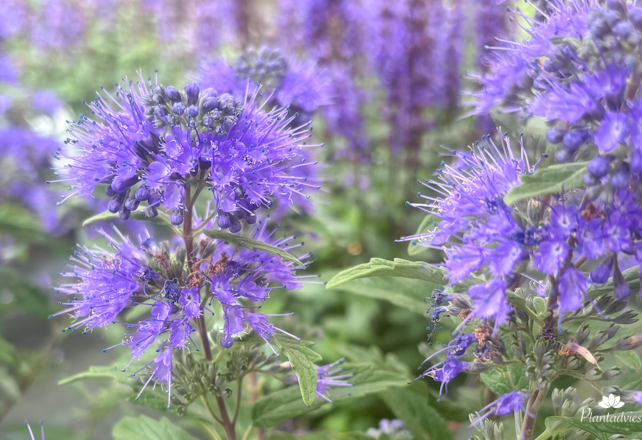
[156, 277]
[149, 141]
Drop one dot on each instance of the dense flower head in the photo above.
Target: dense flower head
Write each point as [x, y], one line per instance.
[159, 278]
[576, 69]
[149, 140]
[299, 85]
[479, 233]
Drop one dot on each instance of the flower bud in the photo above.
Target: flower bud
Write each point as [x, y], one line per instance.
[124, 214]
[600, 274]
[173, 94]
[178, 108]
[192, 90]
[142, 194]
[555, 135]
[114, 206]
[192, 111]
[598, 166]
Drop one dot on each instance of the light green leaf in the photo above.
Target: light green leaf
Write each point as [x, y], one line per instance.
[100, 372]
[161, 219]
[421, 419]
[425, 226]
[549, 180]
[402, 292]
[145, 428]
[285, 404]
[251, 244]
[302, 359]
[629, 358]
[378, 267]
[517, 301]
[505, 378]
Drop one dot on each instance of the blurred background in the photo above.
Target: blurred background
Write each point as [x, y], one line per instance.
[393, 78]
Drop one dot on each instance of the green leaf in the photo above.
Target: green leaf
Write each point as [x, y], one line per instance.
[600, 429]
[285, 404]
[503, 379]
[251, 244]
[519, 302]
[398, 268]
[425, 226]
[145, 428]
[302, 359]
[161, 219]
[100, 372]
[549, 180]
[421, 419]
[629, 358]
[631, 277]
[407, 293]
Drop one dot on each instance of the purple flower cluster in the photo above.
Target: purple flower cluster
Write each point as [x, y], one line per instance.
[153, 276]
[194, 27]
[577, 70]
[26, 159]
[415, 49]
[149, 140]
[301, 86]
[553, 236]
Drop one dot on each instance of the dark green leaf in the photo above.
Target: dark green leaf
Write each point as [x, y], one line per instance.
[251, 244]
[286, 404]
[503, 379]
[145, 428]
[549, 180]
[421, 419]
[378, 267]
[161, 219]
[302, 359]
[426, 225]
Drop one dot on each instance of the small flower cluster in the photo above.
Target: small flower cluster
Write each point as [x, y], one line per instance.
[579, 71]
[177, 292]
[150, 140]
[301, 86]
[548, 260]
[415, 49]
[555, 236]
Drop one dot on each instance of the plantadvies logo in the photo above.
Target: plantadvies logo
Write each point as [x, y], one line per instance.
[611, 402]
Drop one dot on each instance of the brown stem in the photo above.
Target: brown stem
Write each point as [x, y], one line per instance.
[225, 417]
[228, 425]
[532, 407]
[189, 250]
